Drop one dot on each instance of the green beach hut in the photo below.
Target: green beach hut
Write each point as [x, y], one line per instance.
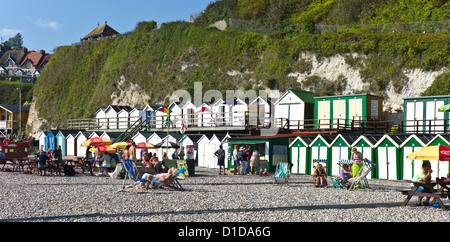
[440, 168]
[300, 153]
[320, 149]
[366, 145]
[340, 150]
[412, 143]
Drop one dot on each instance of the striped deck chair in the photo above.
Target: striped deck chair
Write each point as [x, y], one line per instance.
[131, 172]
[338, 181]
[282, 172]
[174, 184]
[361, 181]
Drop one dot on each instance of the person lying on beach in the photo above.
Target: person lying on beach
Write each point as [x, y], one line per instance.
[162, 178]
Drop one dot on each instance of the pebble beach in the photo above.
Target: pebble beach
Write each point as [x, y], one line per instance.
[208, 197]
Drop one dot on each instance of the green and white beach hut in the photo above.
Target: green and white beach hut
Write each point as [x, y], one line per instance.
[366, 145]
[440, 168]
[423, 115]
[340, 150]
[346, 108]
[300, 153]
[294, 107]
[387, 156]
[412, 143]
[320, 149]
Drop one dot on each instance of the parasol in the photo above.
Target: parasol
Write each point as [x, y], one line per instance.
[434, 152]
[121, 145]
[143, 145]
[96, 141]
[163, 144]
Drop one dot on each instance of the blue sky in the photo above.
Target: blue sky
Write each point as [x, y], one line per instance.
[48, 24]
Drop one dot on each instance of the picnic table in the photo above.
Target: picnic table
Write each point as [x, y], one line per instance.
[436, 194]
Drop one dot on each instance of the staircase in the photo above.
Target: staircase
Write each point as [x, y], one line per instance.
[132, 130]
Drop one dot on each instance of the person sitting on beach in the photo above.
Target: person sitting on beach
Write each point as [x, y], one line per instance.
[423, 175]
[158, 166]
[162, 178]
[146, 159]
[42, 163]
[320, 176]
[345, 173]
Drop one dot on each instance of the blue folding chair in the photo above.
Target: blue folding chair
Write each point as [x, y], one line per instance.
[339, 182]
[282, 172]
[361, 181]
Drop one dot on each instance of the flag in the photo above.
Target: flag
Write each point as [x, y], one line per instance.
[164, 110]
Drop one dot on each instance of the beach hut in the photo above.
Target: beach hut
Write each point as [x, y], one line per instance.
[62, 141]
[137, 114]
[173, 137]
[422, 114]
[111, 114]
[300, 153]
[366, 145]
[71, 144]
[387, 156]
[176, 114]
[150, 113]
[160, 119]
[100, 116]
[50, 140]
[123, 117]
[203, 152]
[340, 150]
[440, 139]
[204, 115]
[189, 115]
[320, 149]
[189, 141]
[239, 110]
[79, 139]
[412, 143]
[260, 111]
[222, 112]
[42, 139]
[214, 143]
[344, 109]
[294, 107]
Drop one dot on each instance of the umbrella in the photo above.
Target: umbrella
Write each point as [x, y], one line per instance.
[163, 144]
[143, 145]
[104, 148]
[96, 141]
[121, 145]
[444, 108]
[435, 152]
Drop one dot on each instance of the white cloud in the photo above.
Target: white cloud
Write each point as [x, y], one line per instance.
[46, 23]
[6, 33]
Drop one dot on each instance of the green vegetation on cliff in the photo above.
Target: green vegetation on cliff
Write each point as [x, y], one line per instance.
[80, 78]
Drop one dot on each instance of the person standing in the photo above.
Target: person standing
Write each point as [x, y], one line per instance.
[356, 158]
[57, 156]
[220, 153]
[235, 159]
[132, 152]
[254, 161]
[243, 158]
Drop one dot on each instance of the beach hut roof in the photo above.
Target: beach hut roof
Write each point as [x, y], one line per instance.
[370, 139]
[306, 140]
[423, 139]
[349, 139]
[327, 139]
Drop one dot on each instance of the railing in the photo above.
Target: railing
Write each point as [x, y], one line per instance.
[247, 120]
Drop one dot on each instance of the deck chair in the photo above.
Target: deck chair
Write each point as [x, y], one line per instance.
[173, 184]
[361, 181]
[131, 172]
[282, 172]
[338, 181]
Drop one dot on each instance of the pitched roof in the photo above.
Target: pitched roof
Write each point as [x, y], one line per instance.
[15, 109]
[104, 30]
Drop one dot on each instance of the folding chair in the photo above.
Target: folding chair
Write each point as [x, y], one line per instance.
[131, 172]
[174, 184]
[339, 182]
[282, 172]
[361, 181]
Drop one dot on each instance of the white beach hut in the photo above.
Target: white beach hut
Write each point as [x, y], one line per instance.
[100, 116]
[204, 153]
[80, 138]
[176, 114]
[71, 144]
[204, 115]
[222, 113]
[137, 114]
[295, 106]
[189, 115]
[260, 111]
[190, 140]
[123, 116]
[41, 138]
[111, 113]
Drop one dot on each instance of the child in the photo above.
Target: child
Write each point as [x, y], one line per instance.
[345, 173]
[320, 176]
